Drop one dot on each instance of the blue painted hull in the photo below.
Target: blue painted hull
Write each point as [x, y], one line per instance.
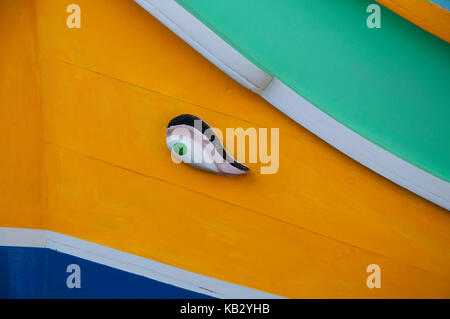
[42, 273]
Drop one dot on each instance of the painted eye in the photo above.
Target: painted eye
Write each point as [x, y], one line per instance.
[192, 141]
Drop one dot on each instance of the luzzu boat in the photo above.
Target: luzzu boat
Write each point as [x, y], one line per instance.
[92, 206]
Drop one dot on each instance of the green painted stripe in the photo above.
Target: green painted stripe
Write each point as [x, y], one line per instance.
[390, 85]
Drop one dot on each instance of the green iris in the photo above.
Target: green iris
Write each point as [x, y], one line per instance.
[180, 148]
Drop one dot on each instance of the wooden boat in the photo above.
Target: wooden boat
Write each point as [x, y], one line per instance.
[86, 178]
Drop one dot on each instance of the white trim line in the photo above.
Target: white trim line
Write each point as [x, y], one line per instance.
[207, 43]
[202, 39]
[20, 237]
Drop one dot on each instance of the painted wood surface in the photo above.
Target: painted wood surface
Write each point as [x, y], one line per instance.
[20, 117]
[425, 13]
[389, 85]
[40, 273]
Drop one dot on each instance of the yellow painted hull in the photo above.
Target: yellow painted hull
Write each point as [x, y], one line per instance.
[83, 114]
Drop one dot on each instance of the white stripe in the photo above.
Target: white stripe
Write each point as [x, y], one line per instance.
[19, 237]
[292, 104]
[207, 43]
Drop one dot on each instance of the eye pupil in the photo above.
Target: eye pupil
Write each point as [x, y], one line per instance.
[180, 148]
[212, 138]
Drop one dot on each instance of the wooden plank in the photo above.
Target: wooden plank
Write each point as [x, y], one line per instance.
[316, 188]
[122, 40]
[100, 202]
[20, 117]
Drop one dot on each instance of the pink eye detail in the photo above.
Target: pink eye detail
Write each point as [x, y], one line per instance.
[193, 141]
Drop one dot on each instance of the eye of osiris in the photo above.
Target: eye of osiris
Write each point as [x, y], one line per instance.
[180, 148]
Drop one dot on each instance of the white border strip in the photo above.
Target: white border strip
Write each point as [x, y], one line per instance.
[207, 43]
[289, 102]
[19, 237]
